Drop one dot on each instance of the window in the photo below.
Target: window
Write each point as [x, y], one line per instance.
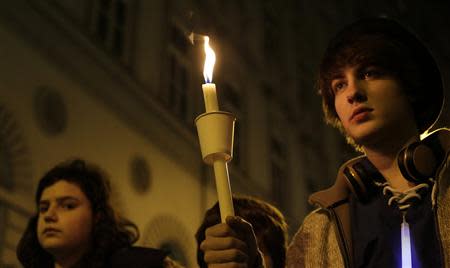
[177, 98]
[178, 83]
[278, 150]
[271, 29]
[111, 26]
[279, 167]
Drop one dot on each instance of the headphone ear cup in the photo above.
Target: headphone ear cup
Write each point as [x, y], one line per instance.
[417, 162]
[355, 184]
[360, 177]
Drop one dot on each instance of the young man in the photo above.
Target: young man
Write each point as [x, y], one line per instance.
[381, 87]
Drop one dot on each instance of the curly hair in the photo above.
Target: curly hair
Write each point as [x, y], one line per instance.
[268, 223]
[386, 44]
[111, 232]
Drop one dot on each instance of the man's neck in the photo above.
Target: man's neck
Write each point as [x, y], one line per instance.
[385, 160]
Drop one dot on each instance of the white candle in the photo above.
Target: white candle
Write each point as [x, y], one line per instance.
[210, 97]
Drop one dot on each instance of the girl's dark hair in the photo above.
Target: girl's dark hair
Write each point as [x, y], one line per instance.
[268, 223]
[385, 44]
[110, 231]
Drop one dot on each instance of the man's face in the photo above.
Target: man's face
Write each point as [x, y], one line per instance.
[372, 106]
[65, 219]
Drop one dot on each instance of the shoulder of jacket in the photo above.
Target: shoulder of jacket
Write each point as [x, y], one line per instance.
[313, 224]
[338, 192]
[316, 218]
[309, 244]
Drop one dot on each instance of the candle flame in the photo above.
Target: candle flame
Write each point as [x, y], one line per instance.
[209, 61]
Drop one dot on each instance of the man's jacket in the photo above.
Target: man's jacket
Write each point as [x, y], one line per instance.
[324, 239]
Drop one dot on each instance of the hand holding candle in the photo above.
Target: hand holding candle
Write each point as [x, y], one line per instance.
[215, 130]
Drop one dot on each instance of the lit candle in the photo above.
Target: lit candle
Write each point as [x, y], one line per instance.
[209, 89]
[216, 130]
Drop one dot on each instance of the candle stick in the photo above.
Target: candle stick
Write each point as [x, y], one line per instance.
[223, 189]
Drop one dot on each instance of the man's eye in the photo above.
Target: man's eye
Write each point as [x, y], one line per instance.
[338, 86]
[371, 73]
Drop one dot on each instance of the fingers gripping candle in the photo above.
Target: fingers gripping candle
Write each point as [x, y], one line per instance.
[215, 130]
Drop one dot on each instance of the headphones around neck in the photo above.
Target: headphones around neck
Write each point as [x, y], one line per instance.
[418, 162]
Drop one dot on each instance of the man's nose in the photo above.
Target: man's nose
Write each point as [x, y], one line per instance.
[356, 92]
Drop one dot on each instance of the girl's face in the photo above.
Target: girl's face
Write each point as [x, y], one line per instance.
[65, 219]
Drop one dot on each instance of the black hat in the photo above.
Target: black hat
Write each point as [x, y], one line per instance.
[429, 105]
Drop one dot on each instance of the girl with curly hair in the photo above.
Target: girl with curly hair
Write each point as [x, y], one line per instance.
[76, 226]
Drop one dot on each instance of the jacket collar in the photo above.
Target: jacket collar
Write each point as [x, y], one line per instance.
[336, 194]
